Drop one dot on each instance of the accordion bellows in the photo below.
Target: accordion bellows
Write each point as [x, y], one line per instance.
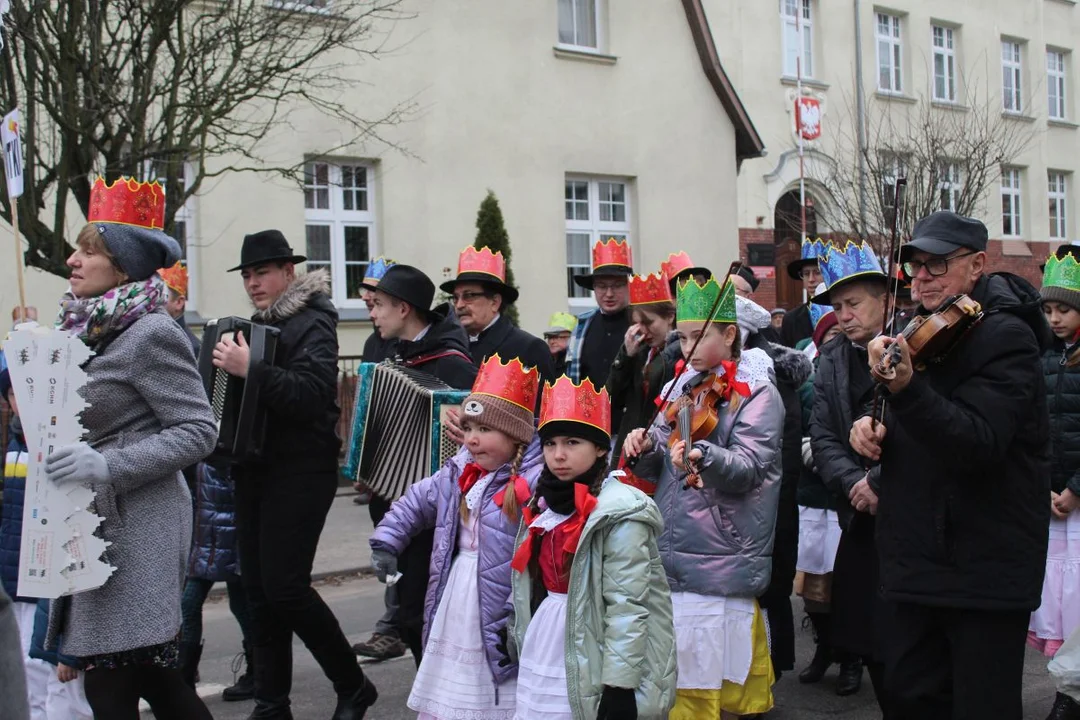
[398, 434]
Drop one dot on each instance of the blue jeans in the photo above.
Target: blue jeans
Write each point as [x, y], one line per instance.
[195, 592]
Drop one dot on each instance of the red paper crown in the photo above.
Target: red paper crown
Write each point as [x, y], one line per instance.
[565, 401]
[675, 264]
[611, 252]
[128, 202]
[512, 382]
[482, 261]
[651, 288]
[175, 278]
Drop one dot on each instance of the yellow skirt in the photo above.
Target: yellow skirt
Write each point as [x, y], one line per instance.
[755, 696]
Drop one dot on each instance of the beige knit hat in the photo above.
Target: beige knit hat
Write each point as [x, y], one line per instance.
[504, 397]
[499, 414]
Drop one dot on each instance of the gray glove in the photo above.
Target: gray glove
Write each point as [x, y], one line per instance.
[78, 463]
[807, 455]
[385, 564]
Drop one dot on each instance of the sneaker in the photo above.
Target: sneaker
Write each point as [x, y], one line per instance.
[381, 647]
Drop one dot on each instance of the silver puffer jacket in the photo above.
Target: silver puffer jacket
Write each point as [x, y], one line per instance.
[718, 540]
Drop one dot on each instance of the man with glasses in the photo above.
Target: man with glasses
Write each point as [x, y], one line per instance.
[480, 293]
[600, 333]
[557, 337]
[797, 325]
[964, 486]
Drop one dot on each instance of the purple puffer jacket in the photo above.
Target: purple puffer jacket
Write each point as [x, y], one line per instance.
[434, 503]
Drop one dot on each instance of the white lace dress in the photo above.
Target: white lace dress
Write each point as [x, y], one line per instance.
[454, 681]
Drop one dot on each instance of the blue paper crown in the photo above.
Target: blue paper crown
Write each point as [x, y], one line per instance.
[813, 249]
[377, 268]
[847, 262]
[817, 312]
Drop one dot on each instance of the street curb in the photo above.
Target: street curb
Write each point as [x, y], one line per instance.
[220, 590]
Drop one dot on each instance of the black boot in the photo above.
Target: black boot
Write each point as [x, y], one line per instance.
[271, 710]
[243, 687]
[273, 680]
[850, 679]
[1065, 708]
[190, 654]
[823, 657]
[353, 705]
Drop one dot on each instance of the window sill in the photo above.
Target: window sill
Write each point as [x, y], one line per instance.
[808, 82]
[351, 314]
[1067, 124]
[895, 97]
[1015, 247]
[1066, 2]
[1019, 117]
[946, 105]
[572, 52]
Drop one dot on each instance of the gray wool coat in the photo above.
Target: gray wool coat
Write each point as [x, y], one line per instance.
[149, 416]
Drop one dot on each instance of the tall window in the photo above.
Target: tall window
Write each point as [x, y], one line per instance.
[944, 64]
[596, 209]
[1055, 83]
[1057, 194]
[790, 10]
[1010, 202]
[1011, 76]
[889, 57]
[339, 225]
[949, 186]
[578, 22]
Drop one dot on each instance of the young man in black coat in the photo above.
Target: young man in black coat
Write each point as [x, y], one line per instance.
[432, 342]
[797, 325]
[282, 499]
[963, 512]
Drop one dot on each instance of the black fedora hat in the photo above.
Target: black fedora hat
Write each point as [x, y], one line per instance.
[485, 267]
[410, 285]
[264, 247]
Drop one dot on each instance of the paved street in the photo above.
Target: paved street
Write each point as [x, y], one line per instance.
[357, 601]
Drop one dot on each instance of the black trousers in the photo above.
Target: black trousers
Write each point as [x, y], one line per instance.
[279, 520]
[953, 663]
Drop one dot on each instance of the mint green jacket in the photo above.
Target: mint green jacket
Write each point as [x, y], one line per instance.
[619, 626]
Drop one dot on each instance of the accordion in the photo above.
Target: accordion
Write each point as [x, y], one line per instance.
[238, 411]
[398, 431]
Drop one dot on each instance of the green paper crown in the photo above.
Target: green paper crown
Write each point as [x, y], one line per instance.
[695, 301]
[1062, 273]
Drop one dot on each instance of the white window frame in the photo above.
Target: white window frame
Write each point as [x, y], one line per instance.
[950, 185]
[1056, 82]
[337, 218]
[891, 41]
[943, 40]
[1058, 197]
[891, 166]
[576, 9]
[184, 214]
[1012, 76]
[596, 229]
[1011, 188]
[789, 33]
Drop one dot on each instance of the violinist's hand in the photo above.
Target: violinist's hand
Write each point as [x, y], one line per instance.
[866, 439]
[453, 427]
[877, 349]
[677, 451]
[637, 442]
[632, 340]
[863, 498]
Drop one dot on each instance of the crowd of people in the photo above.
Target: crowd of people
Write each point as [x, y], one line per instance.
[636, 498]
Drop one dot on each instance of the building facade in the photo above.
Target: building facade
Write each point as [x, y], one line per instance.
[986, 70]
[587, 118]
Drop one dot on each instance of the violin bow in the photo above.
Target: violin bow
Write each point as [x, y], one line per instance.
[877, 414]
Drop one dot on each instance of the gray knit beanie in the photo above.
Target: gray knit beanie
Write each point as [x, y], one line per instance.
[501, 415]
[1053, 293]
[139, 251]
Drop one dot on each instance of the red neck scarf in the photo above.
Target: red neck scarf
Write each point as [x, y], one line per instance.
[584, 504]
[469, 477]
[730, 383]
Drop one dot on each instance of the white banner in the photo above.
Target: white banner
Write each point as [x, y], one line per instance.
[11, 137]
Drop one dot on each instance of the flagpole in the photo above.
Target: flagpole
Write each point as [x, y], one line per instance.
[798, 122]
[18, 258]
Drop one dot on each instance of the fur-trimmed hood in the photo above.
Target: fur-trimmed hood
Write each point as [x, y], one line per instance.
[307, 289]
[792, 367]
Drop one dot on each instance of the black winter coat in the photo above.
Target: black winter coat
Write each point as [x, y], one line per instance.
[634, 387]
[1063, 401]
[511, 342]
[376, 349]
[300, 388]
[965, 481]
[796, 326]
[442, 352]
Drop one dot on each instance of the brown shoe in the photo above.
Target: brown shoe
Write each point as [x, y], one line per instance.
[380, 647]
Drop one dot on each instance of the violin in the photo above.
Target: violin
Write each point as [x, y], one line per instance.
[694, 416]
[931, 337]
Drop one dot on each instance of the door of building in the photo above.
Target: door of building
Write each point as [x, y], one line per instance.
[787, 236]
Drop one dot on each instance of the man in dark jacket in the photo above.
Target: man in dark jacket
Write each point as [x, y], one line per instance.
[431, 341]
[797, 325]
[282, 500]
[376, 348]
[480, 295]
[843, 391]
[963, 515]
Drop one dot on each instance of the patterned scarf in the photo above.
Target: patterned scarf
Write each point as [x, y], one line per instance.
[96, 320]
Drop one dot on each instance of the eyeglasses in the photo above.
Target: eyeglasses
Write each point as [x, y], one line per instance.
[936, 267]
[467, 297]
[603, 287]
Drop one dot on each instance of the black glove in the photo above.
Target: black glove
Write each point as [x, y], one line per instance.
[617, 704]
[502, 647]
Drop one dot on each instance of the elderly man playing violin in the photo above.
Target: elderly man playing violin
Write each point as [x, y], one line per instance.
[962, 513]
